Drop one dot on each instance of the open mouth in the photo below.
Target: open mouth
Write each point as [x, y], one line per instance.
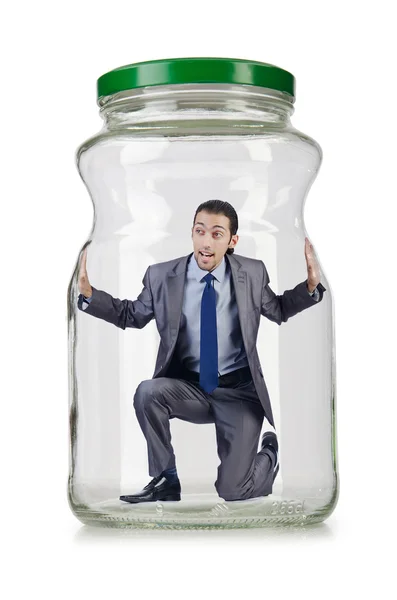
[206, 255]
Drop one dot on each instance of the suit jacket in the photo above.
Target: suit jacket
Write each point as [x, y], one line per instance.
[162, 296]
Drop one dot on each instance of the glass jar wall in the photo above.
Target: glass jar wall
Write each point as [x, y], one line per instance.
[232, 382]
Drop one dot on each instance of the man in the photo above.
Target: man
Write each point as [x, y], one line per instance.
[207, 307]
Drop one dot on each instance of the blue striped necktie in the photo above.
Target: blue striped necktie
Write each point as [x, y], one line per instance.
[208, 338]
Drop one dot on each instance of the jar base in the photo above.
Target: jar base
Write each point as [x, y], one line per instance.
[206, 511]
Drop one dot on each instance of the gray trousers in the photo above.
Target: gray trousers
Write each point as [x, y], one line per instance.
[238, 416]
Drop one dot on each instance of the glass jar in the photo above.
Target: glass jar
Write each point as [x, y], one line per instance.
[187, 407]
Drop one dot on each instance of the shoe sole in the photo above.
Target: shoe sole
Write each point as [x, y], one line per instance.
[168, 498]
[275, 472]
[172, 498]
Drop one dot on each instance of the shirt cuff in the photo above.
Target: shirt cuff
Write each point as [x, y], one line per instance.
[315, 294]
[86, 301]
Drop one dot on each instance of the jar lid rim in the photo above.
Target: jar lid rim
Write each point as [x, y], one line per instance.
[168, 71]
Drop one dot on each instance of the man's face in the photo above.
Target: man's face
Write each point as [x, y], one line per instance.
[211, 235]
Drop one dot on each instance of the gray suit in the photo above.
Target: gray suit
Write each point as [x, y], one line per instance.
[162, 299]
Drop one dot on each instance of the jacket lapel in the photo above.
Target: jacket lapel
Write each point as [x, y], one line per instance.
[175, 287]
[239, 276]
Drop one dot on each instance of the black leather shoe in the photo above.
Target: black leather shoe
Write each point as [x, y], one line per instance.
[270, 439]
[157, 489]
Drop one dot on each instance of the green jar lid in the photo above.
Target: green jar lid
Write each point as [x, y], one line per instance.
[196, 70]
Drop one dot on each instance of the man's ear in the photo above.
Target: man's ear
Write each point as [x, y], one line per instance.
[235, 241]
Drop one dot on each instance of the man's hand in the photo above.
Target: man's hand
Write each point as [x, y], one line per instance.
[83, 281]
[313, 270]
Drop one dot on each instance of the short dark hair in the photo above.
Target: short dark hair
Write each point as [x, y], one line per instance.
[219, 207]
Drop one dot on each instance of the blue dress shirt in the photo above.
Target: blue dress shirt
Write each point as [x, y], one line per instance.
[231, 351]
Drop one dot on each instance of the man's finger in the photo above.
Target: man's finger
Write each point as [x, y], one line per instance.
[309, 250]
[84, 258]
[83, 264]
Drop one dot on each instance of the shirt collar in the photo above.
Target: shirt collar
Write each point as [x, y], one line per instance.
[198, 274]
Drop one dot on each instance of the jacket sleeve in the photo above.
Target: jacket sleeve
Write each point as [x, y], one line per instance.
[122, 313]
[279, 308]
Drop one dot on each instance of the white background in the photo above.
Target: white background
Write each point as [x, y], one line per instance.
[341, 55]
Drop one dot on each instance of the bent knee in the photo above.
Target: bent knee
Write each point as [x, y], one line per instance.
[229, 490]
[234, 493]
[147, 391]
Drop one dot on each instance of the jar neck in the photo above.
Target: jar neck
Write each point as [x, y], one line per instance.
[194, 106]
